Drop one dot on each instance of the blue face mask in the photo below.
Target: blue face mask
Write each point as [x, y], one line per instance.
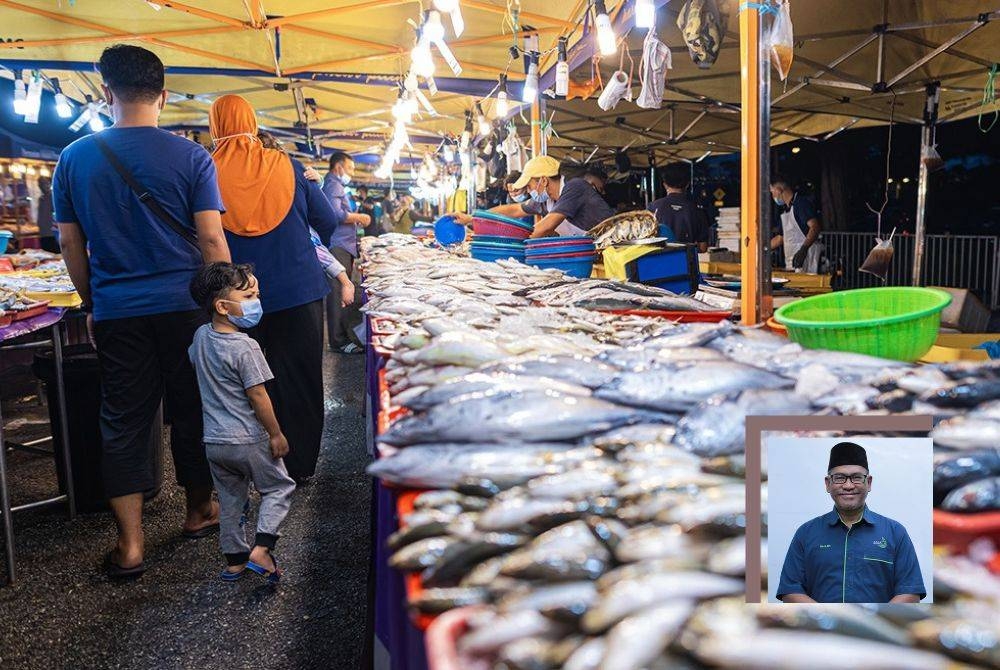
[539, 197]
[520, 197]
[345, 179]
[779, 202]
[252, 311]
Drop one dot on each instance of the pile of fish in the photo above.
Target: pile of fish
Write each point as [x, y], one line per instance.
[586, 474]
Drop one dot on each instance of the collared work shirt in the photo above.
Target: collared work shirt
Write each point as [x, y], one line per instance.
[871, 562]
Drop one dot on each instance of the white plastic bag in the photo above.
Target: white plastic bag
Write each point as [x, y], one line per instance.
[781, 40]
[656, 61]
[931, 159]
[614, 91]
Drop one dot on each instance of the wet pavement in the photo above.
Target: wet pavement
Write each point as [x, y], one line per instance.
[63, 612]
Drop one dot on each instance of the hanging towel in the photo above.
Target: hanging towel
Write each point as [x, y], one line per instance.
[656, 61]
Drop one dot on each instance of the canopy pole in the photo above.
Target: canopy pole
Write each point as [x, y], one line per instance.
[755, 147]
[536, 128]
[926, 141]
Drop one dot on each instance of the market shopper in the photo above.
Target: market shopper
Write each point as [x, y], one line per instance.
[268, 226]
[365, 205]
[407, 215]
[678, 218]
[134, 281]
[243, 438]
[341, 321]
[850, 554]
[799, 229]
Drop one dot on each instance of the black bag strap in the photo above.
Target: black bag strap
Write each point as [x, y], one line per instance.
[145, 196]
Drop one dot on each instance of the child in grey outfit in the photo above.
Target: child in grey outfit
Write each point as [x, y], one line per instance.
[243, 440]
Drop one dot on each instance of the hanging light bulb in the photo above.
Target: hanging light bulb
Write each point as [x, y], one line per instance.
[96, 123]
[423, 63]
[449, 152]
[484, 124]
[645, 14]
[33, 103]
[605, 33]
[433, 29]
[530, 90]
[452, 8]
[63, 108]
[501, 107]
[20, 96]
[562, 71]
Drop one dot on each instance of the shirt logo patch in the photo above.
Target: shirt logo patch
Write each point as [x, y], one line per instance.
[881, 544]
[824, 546]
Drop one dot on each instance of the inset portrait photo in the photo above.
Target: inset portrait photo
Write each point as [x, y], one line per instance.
[850, 520]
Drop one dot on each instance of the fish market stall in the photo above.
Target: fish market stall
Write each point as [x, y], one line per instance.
[564, 487]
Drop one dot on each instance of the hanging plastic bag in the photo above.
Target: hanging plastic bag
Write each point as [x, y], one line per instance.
[931, 159]
[656, 60]
[880, 258]
[614, 91]
[703, 24]
[781, 40]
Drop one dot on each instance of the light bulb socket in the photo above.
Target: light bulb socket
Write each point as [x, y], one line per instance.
[563, 42]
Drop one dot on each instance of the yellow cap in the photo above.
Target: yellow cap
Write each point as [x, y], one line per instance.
[539, 166]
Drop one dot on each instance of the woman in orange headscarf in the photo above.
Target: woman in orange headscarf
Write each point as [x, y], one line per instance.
[270, 207]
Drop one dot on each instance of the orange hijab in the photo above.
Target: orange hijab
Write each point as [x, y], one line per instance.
[257, 184]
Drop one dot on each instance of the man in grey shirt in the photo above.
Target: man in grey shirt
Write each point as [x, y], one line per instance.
[243, 440]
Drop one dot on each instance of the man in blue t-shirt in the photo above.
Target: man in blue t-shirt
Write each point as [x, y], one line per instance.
[134, 282]
[850, 554]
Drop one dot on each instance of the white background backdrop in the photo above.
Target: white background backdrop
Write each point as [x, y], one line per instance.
[902, 489]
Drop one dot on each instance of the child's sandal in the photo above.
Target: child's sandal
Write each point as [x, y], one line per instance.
[269, 577]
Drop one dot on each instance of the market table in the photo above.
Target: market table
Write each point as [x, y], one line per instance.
[398, 645]
[12, 338]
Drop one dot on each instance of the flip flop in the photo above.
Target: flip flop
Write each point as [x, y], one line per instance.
[228, 576]
[116, 571]
[211, 529]
[271, 578]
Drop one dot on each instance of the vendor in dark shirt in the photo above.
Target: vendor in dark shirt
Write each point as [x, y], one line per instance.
[573, 205]
[678, 217]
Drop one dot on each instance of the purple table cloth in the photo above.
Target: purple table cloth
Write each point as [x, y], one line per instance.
[32, 325]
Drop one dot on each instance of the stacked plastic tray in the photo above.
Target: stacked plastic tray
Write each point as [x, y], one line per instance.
[572, 255]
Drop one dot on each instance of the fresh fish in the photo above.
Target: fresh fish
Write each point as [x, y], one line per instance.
[457, 561]
[978, 496]
[520, 512]
[897, 401]
[847, 366]
[479, 382]
[423, 554]
[629, 596]
[488, 574]
[728, 557]
[419, 526]
[734, 465]
[567, 553]
[445, 498]
[954, 470]
[973, 641]
[656, 434]
[574, 370]
[573, 485]
[965, 369]
[844, 398]
[438, 601]
[588, 656]
[565, 602]
[530, 416]
[753, 341]
[610, 532]
[459, 348]
[651, 542]
[506, 628]
[725, 517]
[426, 376]
[681, 387]
[967, 432]
[838, 619]
[636, 642]
[530, 653]
[771, 649]
[447, 465]
[967, 393]
[690, 335]
[717, 426]
[646, 356]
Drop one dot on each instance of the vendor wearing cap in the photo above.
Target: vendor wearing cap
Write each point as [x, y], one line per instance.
[573, 205]
[850, 554]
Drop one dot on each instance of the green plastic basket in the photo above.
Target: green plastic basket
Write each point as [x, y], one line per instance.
[891, 322]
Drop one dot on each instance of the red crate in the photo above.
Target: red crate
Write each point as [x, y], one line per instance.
[682, 317]
[442, 638]
[956, 531]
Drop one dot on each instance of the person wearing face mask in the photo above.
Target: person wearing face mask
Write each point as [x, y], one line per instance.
[268, 225]
[131, 265]
[800, 226]
[341, 321]
[573, 206]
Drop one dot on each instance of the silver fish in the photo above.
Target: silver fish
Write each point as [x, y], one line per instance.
[629, 596]
[530, 416]
[569, 552]
[771, 649]
[978, 496]
[506, 628]
[967, 432]
[689, 336]
[636, 642]
[838, 619]
[519, 512]
[588, 656]
[973, 641]
[651, 542]
[445, 498]
[573, 485]
[656, 434]
[479, 382]
[956, 469]
[568, 601]
[423, 553]
[728, 557]
[574, 370]
[419, 526]
[438, 601]
[717, 427]
[681, 387]
[459, 348]
[448, 465]
[459, 559]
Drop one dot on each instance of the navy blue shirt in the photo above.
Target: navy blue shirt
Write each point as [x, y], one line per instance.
[284, 259]
[685, 221]
[803, 211]
[582, 205]
[138, 265]
[346, 234]
[872, 562]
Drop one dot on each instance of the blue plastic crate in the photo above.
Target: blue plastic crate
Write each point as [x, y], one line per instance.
[675, 268]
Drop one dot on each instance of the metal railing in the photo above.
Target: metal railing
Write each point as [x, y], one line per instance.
[959, 261]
